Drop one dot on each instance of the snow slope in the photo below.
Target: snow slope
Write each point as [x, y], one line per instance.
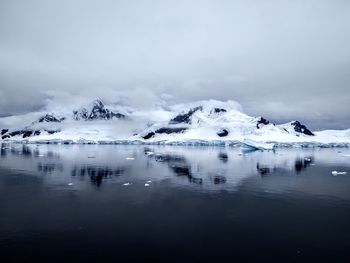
[208, 122]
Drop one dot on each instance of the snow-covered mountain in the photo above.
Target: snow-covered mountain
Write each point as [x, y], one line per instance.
[97, 112]
[204, 122]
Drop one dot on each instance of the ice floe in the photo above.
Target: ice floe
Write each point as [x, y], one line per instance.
[335, 173]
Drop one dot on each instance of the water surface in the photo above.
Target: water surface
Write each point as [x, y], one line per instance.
[158, 203]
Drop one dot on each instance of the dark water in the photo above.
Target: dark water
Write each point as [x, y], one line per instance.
[69, 203]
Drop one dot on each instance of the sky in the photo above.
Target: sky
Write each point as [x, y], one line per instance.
[284, 60]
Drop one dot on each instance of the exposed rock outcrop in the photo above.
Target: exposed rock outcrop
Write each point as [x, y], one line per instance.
[261, 122]
[222, 133]
[185, 117]
[148, 135]
[298, 127]
[170, 130]
[219, 110]
[164, 130]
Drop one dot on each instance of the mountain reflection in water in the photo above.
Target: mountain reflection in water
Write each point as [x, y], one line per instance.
[170, 203]
[211, 168]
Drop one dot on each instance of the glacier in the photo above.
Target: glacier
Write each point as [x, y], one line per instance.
[208, 122]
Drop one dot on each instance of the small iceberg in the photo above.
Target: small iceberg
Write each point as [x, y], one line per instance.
[335, 173]
[130, 158]
[146, 184]
[70, 184]
[250, 145]
[127, 184]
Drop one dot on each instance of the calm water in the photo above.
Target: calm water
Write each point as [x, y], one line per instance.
[69, 203]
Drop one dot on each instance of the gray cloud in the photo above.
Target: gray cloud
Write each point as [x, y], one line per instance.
[281, 59]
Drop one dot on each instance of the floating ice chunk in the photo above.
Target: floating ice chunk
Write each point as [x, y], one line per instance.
[149, 153]
[146, 184]
[70, 184]
[149, 181]
[40, 155]
[335, 173]
[130, 158]
[307, 159]
[126, 184]
[312, 164]
[255, 145]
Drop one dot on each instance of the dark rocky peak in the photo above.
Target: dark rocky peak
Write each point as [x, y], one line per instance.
[81, 114]
[298, 127]
[51, 118]
[98, 112]
[98, 103]
[3, 131]
[261, 122]
[185, 117]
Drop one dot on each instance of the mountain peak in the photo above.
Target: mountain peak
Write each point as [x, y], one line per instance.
[98, 103]
[51, 118]
[298, 127]
[97, 112]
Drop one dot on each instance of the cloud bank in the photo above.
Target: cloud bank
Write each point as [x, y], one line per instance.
[280, 59]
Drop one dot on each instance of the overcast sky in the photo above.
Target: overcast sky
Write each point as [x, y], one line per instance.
[280, 59]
